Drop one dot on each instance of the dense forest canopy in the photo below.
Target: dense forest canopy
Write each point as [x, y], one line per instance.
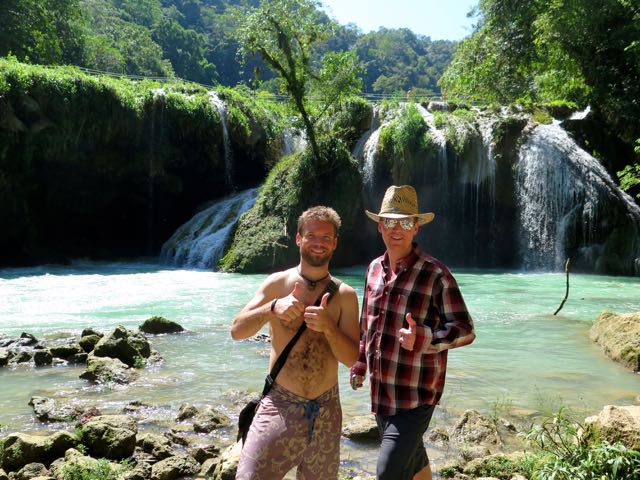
[582, 52]
[526, 52]
[197, 40]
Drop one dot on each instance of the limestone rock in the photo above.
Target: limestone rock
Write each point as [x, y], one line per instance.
[124, 345]
[32, 470]
[157, 446]
[66, 350]
[500, 462]
[362, 428]
[227, 465]
[176, 466]
[110, 436]
[108, 370]
[619, 337]
[48, 410]
[475, 429]
[157, 325]
[210, 419]
[617, 424]
[21, 449]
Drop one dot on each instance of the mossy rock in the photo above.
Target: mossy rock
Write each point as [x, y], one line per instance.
[157, 325]
[264, 239]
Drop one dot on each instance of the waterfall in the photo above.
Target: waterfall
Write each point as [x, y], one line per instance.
[200, 242]
[570, 206]
[228, 154]
[438, 136]
[365, 149]
[293, 140]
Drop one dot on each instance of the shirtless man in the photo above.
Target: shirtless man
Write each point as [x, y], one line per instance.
[299, 422]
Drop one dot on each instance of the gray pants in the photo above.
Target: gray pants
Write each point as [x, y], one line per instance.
[402, 452]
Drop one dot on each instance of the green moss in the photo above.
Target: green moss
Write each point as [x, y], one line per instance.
[264, 237]
[541, 115]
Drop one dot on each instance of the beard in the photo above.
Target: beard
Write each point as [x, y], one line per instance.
[315, 260]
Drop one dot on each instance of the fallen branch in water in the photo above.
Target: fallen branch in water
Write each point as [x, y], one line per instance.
[567, 268]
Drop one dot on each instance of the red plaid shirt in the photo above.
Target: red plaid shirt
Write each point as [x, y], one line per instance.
[399, 378]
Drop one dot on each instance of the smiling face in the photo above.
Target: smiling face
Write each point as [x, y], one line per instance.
[317, 242]
[398, 240]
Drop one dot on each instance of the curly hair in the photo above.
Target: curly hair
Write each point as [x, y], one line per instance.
[321, 213]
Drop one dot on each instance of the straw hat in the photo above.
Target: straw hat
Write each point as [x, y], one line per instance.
[400, 202]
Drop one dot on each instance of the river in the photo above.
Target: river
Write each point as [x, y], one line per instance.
[525, 361]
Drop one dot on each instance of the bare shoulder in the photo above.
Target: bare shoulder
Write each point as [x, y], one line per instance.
[277, 282]
[346, 289]
[347, 294]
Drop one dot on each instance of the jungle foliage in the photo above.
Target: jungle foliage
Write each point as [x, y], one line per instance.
[198, 40]
[582, 52]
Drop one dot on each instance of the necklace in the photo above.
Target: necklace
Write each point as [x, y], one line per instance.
[311, 284]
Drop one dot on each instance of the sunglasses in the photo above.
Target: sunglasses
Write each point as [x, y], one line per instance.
[405, 223]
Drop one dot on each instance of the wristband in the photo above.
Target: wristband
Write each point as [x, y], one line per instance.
[273, 304]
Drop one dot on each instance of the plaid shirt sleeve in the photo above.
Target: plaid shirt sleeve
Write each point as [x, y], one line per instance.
[454, 327]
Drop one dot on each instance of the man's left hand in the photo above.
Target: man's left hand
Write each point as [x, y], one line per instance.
[408, 335]
[318, 318]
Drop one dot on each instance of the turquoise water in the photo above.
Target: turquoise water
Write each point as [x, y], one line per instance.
[525, 360]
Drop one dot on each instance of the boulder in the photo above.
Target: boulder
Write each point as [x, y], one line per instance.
[158, 446]
[32, 470]
[125, 345]
[619, 337]
[503, 464]
[27, 340]
[108, 370]
[3, 475]
[227, 465]
[186, 411]
[76, 465]
[21, 449]
[157, 325]
[210, 419]
[142, 471]
[42, 358]
[204, 452]
[66, 350]
[88, 342]
[617, 424]
[362, 428]
[48, 410]
[110, 436]
[472, 428]
[176, 466]
[5, 356]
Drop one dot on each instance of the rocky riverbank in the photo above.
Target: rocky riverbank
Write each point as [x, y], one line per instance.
[143, 442]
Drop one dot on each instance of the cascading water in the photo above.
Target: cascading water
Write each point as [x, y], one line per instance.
[570, 207]
[293, 140]
[226, 142]
[200, 242]
[367, 146]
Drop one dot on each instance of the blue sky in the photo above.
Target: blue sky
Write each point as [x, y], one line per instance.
[438, 19]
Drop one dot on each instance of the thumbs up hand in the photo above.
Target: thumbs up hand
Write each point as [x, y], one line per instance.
[289, 308]
[407, 336]
[318, 318]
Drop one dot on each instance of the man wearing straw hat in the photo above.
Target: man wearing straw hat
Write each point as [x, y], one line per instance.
[412, 314]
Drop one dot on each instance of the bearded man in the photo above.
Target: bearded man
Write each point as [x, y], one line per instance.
[298, 423]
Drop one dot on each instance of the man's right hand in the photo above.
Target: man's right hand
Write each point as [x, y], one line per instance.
[289, 308]
[356, 381]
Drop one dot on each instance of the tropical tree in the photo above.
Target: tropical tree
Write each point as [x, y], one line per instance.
[286, 35]
[42, 31]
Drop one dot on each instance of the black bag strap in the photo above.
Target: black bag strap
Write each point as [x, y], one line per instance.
[331, 288]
